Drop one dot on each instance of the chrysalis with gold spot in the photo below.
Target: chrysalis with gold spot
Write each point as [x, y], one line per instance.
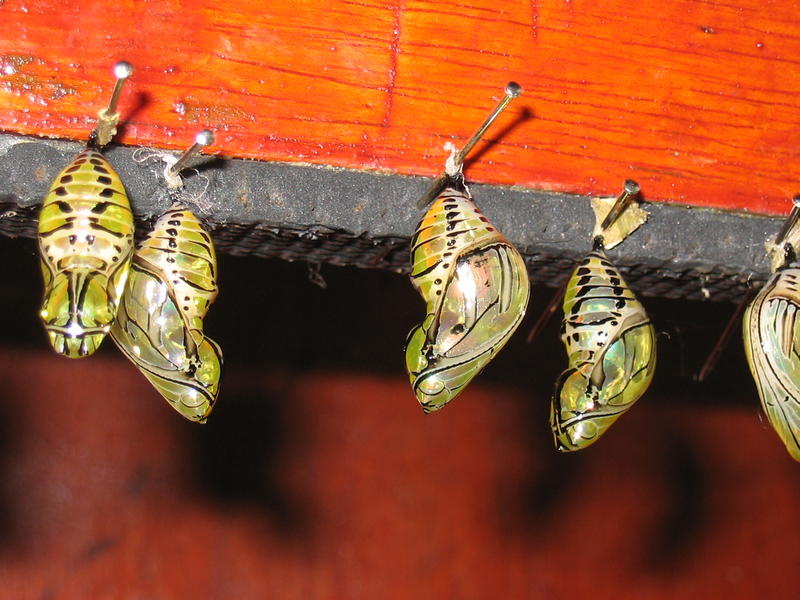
[159, 326]
[771, 331]
[85, 236]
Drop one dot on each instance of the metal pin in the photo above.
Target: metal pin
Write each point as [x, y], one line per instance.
[204, 138]
[790, 222]
[725, 338]
[109, 117]
[512, 90]
[630, 191]
[549, 310]
[122, 70]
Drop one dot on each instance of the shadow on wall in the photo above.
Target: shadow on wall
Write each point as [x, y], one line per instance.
[639, 494]
[238, 460]
[8, 442]
[647, 474]
[685, 505]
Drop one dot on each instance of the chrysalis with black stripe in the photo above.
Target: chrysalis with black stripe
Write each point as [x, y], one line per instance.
[85, 244]
[610, 343]
[771, 332]
[159, 326]
[172, 284]
[475, 285]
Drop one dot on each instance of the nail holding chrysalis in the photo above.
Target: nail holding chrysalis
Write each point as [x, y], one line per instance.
[474, 283]
[173, 283]
[617, 218]
[108, 118]
[609, 210]
[513, 90]
[789, 234]
[85, 242]
[172, 171]
[608, 336]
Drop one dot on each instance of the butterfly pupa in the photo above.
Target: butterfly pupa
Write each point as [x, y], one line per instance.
[608, 336]
[85, 236]
[771, 331]
[172, 284]
[474, 283]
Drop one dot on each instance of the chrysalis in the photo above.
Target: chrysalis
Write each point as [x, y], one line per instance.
[85, 242]
[771, 331]
[609, 340]
[159, 326]
[474, 282]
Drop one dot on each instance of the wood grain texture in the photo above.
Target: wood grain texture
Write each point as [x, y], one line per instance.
[694, 99]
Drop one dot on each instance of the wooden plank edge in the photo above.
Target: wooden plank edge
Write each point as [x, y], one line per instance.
[365, 219]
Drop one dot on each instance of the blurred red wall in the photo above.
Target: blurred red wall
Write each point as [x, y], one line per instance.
[320, 485]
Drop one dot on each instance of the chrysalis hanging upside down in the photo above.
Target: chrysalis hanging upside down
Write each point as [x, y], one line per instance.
[474, 282]
[159, 325]
[85, 243]
[771, 331]
[609, 340]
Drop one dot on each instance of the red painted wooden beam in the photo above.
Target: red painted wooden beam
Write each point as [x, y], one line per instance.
[695, 100]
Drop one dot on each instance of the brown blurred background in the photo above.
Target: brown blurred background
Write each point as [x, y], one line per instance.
[318, 476]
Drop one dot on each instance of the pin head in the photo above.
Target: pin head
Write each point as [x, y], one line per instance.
[631, 187]
[123, 70]
[456, 162]
[513, 89]
[172, 172]
[108, 118]
[204, 138]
